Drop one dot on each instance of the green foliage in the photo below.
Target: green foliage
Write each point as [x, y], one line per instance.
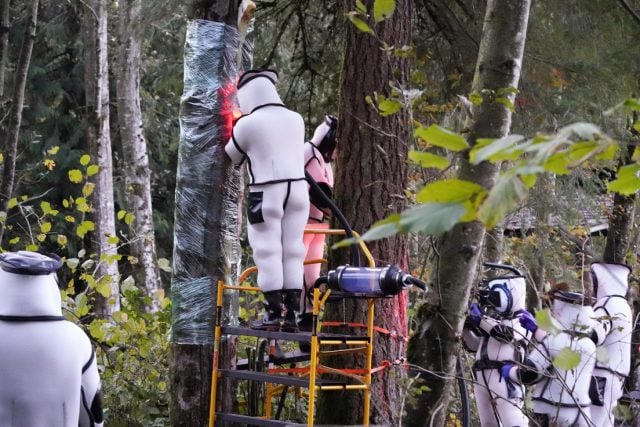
[566, 359]
[383, 9]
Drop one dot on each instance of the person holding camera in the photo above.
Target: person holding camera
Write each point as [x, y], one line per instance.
[492, 329]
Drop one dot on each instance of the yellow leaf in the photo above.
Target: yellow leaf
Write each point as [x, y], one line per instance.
[92, 170]
[14, 240]
[45, 227]
[75, 176]
[85, 159]
[62, 240]
[113, 240]
[88, 189]
[13, 202]
[121, 214]
[32, 247]
[53, 150]
[69, 218]
[128, 218]
[41, 237]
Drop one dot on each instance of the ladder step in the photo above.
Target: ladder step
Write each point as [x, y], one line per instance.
[292, 336]
[290, 380]
[289, 357]
[252, 421]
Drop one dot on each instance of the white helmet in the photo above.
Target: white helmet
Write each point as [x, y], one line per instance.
[257, 88]
[609, 279]
[573, 311]
[324, 137]
[29, 285]
[506, 295]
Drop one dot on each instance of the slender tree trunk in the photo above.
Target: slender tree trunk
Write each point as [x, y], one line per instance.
[134, 148]
[4, 41]
[207, 217]
[15, 114]
[436, 342]
[371, 173]
[96, 75]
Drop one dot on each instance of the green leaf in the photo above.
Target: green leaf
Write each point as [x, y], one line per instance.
[85, 159]
[103, 287]
[383, 9]
[433, 219]
[441, 137]
[381, 229]
[72, 262]
[450, 191]
[505, 196]
[388, 106]
[75, 176]
[545, 321]
[360, 7]
[13, 202]
[46, 207]
[129, 284]
[506, 148]
[45, 227]
[557, 163]
[359, 23]
[62, 240]
[628, 181]
[566, 359]
[428, 160]
[506, 102]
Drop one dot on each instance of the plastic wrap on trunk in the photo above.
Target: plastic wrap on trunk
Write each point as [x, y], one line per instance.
[208, 190]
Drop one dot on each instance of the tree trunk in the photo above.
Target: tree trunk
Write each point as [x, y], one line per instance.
[137, 178]
[96, 77]
[207, 217]
[371, 173]
[436, 342]
[15, 113]
[4, 41]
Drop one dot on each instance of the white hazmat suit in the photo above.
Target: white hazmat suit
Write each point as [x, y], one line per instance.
[561, 396]
[612, 333]
[498, 340]
[270, 139]
[48, 371]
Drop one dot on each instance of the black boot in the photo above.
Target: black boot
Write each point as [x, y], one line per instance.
[292, 304]
[305, 324]
[273, 312]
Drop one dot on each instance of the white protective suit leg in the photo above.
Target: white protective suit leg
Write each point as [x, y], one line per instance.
[293, 223]
[602, 416]
[275, 233]
[492, 398]
[565, 417]
[314, 245]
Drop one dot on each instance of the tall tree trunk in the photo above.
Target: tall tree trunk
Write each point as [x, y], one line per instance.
[371, 173]
[4, 41]
[137, 178]
[436, 342]
[207, 217]
[96, 79]
[15, 114]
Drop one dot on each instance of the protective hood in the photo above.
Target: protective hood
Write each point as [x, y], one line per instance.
[573, 312]
[609, 279]
[256, 88]
[29, 285]
[507, 294]
[324, 137]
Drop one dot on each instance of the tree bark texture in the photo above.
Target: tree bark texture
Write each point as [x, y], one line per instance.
[207, 218]
[621, 220]
[96, 76]
[137, 178]
[15, 113]
[436, 343]
[4, 41]
[371, 173]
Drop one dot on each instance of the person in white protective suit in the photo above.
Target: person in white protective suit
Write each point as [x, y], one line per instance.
[560, 396]
[48, 371]
[318, 155]
[270, 139]
[498, 339]
[613, 333]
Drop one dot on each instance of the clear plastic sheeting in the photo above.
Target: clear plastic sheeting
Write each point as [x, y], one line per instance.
[209, 189]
